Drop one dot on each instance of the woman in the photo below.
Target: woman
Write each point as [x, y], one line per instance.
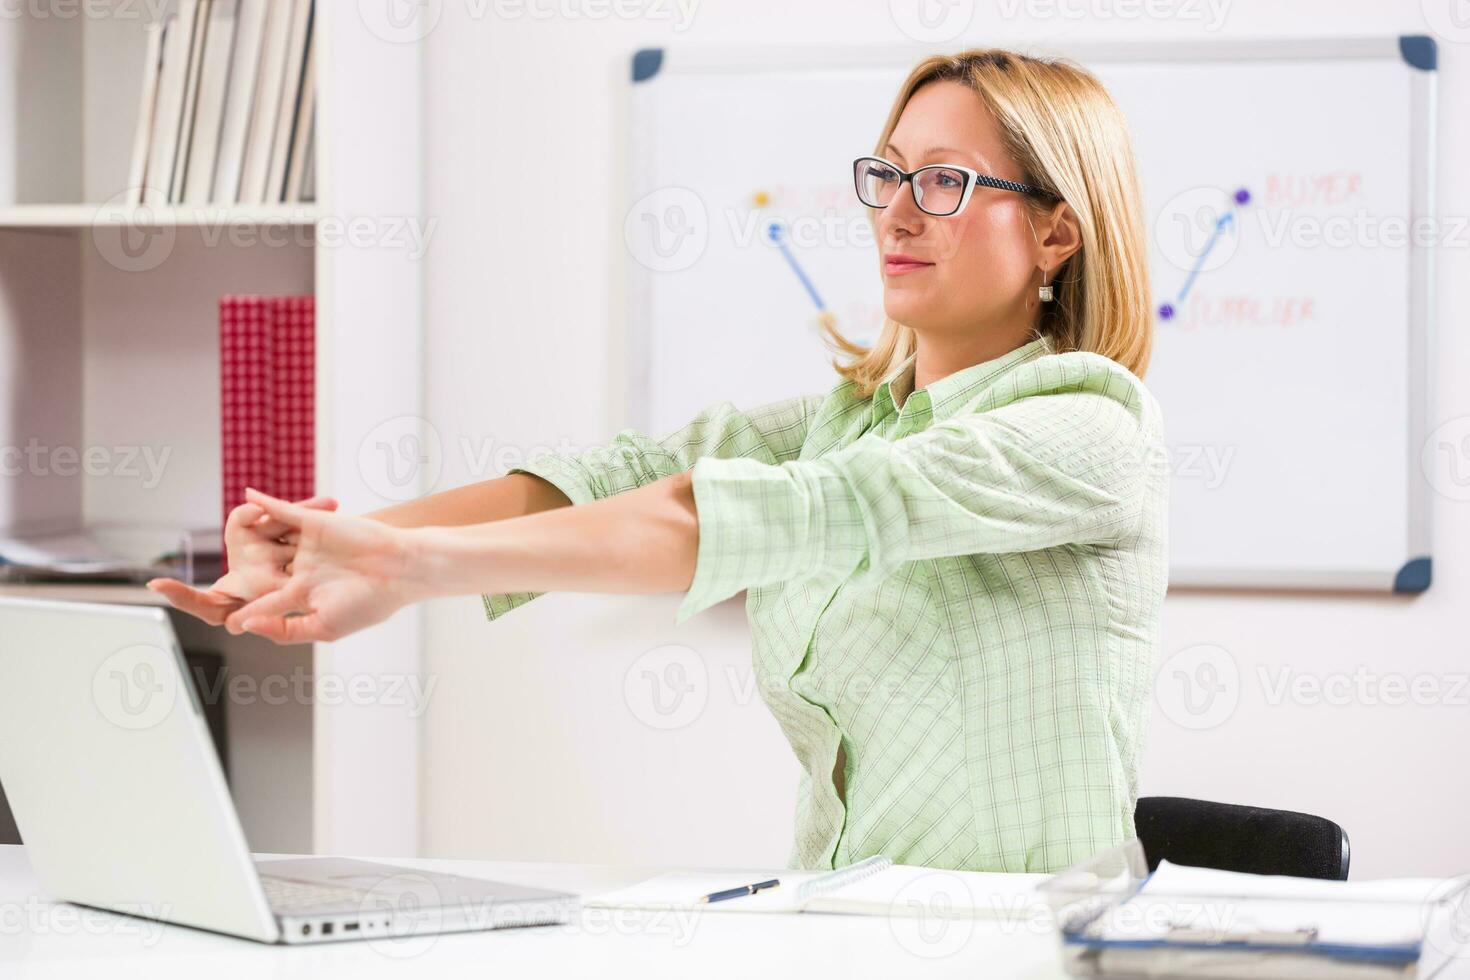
[955, 559]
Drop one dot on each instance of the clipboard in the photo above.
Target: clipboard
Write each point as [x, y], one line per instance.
[1254, 918]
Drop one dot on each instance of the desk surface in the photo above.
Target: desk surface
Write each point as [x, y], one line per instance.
[38, 938]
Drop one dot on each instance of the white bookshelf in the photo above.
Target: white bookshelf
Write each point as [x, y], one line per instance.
[174, 216]
[104, 343]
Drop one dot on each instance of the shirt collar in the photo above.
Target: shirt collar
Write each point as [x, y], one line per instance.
[943, 398]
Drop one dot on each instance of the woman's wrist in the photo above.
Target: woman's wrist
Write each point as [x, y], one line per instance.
[421, 550]
[434, 563]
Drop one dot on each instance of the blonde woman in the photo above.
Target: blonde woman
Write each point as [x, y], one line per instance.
[954, 559]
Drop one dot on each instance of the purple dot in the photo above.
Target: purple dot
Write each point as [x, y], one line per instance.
[1166, 312]
[1242, 196]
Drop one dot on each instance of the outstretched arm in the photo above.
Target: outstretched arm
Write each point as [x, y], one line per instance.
[260, 548]
[350, 573]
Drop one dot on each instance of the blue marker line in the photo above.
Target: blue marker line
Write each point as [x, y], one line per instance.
[773, 232]
[1224, 221]
[1241, 197]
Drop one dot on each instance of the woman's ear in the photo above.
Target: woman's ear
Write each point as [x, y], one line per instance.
[1059, 235]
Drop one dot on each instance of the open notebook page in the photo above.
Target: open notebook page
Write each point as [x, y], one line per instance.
[903, 889]
[680, 889]
[898, 889]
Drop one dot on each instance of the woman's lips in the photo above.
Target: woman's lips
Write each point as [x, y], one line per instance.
[899, 267]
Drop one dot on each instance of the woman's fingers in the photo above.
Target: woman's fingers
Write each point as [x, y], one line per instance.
[243, 516]
[273, 605]
[287, 629]
[210, 606]
[270, 527]
[292, 516]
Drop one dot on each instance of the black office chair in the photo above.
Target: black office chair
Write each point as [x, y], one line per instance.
[1240, 838]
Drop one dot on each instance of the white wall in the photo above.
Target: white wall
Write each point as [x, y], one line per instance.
[542, 742]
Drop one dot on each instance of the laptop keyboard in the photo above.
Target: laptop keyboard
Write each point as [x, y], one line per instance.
[289, 895]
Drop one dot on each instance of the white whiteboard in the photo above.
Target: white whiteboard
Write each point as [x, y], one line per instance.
[1292, 372]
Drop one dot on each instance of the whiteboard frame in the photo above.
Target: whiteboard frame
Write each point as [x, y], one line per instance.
[1417, 52]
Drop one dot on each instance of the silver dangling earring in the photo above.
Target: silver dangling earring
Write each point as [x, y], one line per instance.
[1044, 293]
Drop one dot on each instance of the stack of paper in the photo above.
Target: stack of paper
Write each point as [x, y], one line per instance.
[1198, 922]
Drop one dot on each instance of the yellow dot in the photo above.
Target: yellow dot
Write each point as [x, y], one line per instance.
[762, 199]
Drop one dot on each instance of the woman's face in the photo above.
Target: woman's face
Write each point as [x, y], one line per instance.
[979, 268]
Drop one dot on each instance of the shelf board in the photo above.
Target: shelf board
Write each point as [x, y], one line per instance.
[169, 216]
[120, 594]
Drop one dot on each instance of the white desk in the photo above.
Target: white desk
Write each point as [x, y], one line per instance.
[40, 939]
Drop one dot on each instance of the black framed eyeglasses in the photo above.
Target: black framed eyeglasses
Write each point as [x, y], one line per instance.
[939, 189]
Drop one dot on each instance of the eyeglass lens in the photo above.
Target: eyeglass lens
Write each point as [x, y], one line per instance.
[937, 190]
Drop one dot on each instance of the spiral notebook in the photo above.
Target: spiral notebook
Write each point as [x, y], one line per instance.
[875, 886]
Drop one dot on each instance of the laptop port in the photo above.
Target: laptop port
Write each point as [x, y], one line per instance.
[327, 928]
[349, 926]
[306, 929]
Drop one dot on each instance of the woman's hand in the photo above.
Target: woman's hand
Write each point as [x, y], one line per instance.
[258, 547]
[348, 573]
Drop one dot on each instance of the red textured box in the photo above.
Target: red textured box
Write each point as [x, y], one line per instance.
[267, 396]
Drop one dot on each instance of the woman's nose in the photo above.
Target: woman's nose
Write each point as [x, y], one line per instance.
[903, 211]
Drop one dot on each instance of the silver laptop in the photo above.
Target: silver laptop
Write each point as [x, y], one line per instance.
[122, 804]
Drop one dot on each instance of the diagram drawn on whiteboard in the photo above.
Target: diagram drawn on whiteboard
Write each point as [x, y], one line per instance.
[1227, 221]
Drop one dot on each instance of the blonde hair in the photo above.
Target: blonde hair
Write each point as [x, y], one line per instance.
[1067, 136]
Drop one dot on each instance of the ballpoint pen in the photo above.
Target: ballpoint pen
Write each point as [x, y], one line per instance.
[738, 892]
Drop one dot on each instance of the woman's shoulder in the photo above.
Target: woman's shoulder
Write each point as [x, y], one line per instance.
[1081, 373]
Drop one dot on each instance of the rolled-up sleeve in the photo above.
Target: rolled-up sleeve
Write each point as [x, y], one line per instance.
[1038, 472]
[770, 434]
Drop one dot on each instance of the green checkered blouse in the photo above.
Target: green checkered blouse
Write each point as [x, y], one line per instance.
[960, 585]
